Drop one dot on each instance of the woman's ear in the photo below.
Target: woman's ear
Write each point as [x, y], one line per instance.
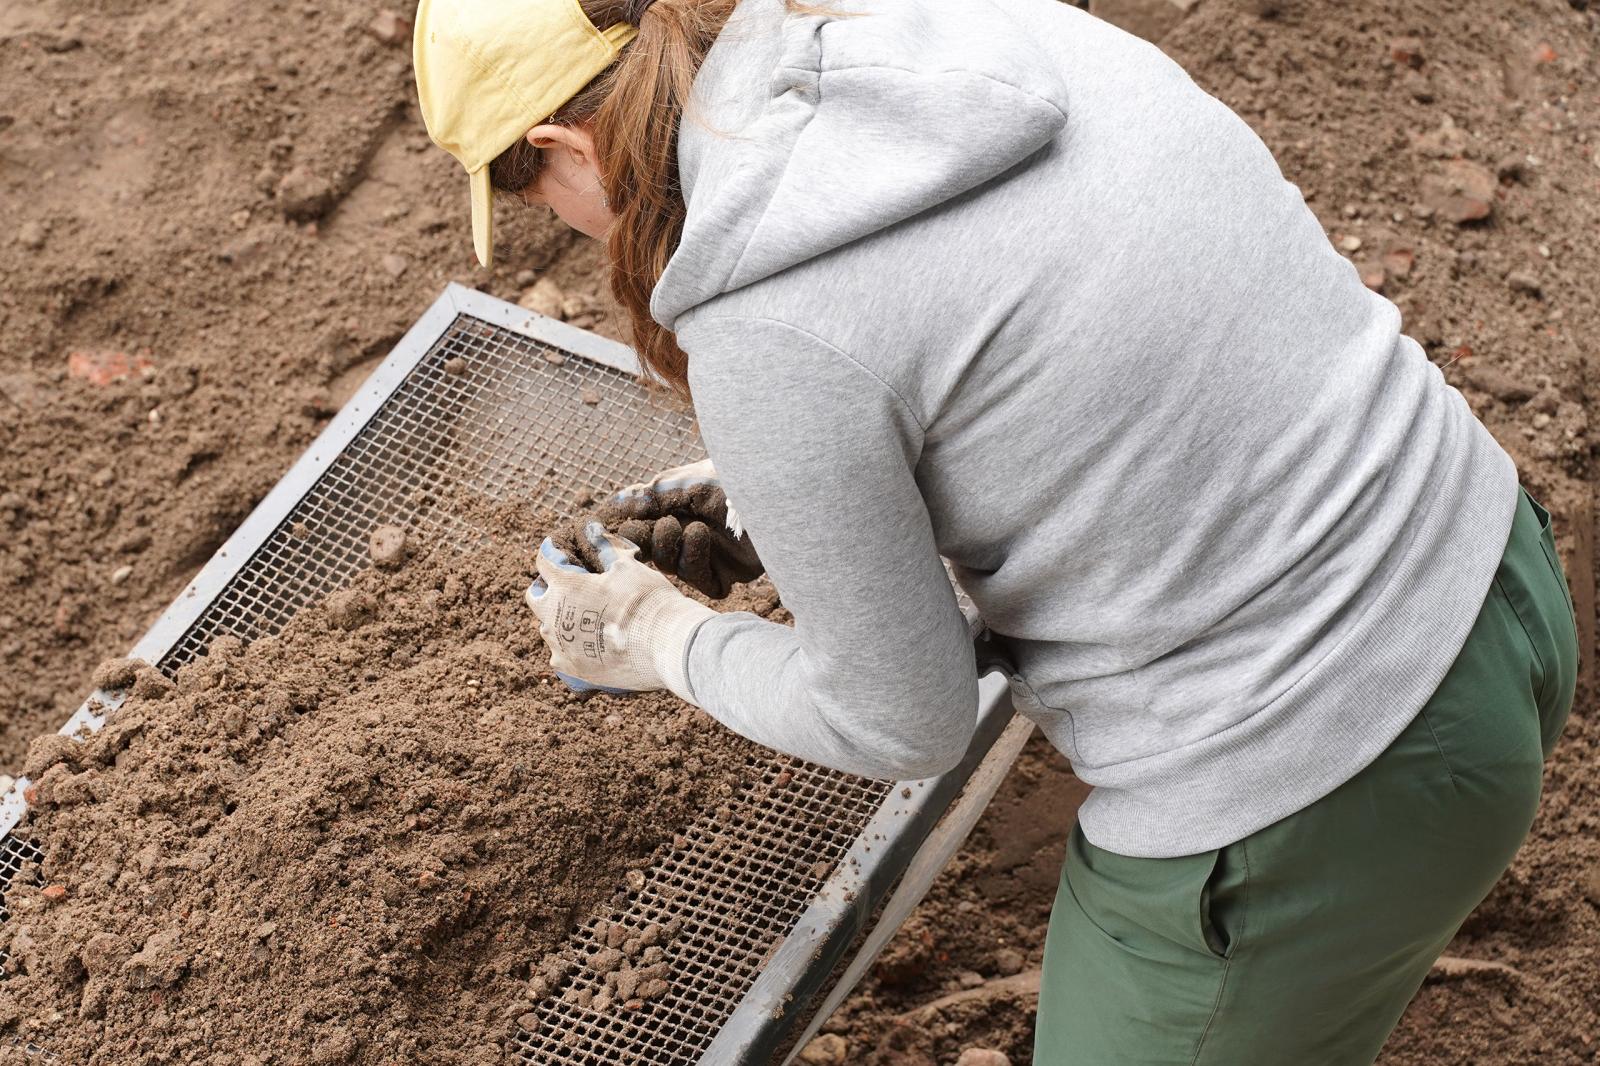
[575, 139]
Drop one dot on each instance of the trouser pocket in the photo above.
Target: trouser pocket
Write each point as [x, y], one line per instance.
[1536, 587]
[1547, 541]
[1149, 907]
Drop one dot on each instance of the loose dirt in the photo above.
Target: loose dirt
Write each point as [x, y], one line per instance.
[357, 842]
[215, 218]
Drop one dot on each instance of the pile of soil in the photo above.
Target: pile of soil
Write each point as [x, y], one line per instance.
[357, 842]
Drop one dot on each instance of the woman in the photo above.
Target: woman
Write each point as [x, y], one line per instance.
[993, 281]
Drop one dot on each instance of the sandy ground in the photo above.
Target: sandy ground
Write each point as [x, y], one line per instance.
[215, 219]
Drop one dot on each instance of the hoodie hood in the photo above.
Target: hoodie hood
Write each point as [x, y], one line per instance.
[808, 132]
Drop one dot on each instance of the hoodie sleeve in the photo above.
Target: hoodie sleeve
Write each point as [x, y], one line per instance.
[876, 677]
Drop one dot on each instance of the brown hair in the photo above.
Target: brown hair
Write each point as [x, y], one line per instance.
[634, 109]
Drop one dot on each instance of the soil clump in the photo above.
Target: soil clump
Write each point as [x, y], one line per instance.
[359, 841]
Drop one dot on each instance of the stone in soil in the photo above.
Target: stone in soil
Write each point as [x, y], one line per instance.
[1498, 382]
[116, 674]
[982, 1057]
[390, 28]
[1525, 282]
[31, 235]
[829, 1049]
[303, 195]
[387, 546]
[544, 297]
[1460, 191]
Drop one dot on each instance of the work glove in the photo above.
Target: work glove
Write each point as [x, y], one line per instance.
[683, 524]
[624, 628]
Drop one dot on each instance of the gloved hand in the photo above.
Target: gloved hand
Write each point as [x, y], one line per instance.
[623, 629]
[683, 524]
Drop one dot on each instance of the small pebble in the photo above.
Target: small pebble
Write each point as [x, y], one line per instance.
[543, 298]
[1350, 244]
[829, 1049]
[114, 675]
[1008, 962]
[590, 397]
[31, 235]
[390, 28]
[387, 546]
[1523, 281]
[455, 367]
[394, 265]
[554, 358]
[351, 608]
[977, 1056]
[121, 574]
[1591, 885]
[1406, 51]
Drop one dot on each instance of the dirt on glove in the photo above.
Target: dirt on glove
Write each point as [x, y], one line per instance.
[356, 842]
[682, 533]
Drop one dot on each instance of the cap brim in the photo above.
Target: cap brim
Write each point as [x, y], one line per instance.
[482, 216]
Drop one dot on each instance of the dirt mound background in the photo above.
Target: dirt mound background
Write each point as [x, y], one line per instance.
[216, 218]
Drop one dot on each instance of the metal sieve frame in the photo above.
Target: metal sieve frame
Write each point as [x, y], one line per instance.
[772, 1008]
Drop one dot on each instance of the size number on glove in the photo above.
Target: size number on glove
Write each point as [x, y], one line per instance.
[581, 633]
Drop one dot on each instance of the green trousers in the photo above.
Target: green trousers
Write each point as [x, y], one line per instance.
[1301, 944]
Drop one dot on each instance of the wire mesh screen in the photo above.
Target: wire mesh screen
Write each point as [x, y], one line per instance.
[486, 409]
[490, 410]
[15, 853]
[737, 884]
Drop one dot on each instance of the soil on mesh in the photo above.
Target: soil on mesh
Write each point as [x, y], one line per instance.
[356, 842]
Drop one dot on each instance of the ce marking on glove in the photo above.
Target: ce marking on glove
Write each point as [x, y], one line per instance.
[585, 632]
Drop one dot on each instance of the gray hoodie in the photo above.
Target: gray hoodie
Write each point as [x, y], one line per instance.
[992, 280]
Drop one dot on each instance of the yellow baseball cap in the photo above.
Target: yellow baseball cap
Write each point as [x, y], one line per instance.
[488, 71]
